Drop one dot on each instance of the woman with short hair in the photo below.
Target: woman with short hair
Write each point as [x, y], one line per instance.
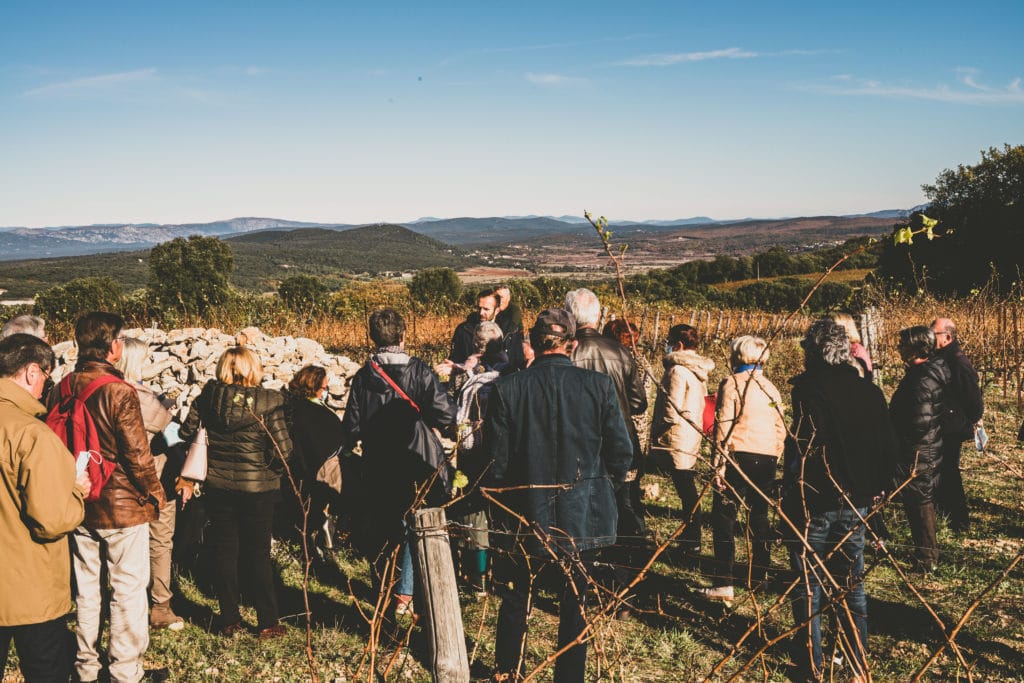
[916, 409]
[156, 418]
[248, 444]
[678, 422]
[750, 434]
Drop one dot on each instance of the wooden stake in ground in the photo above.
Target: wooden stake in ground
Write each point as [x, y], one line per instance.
[440, 599]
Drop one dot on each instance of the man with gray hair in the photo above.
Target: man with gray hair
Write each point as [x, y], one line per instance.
[24, 324]
[607, 356]
[964, 408]
[838, 459]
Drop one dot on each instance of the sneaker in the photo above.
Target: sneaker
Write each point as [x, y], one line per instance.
[156, 675]
[403, 605]
[228, 630]
[722, 593]
[162, 616]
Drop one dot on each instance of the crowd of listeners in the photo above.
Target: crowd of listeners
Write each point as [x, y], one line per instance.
[551, 441]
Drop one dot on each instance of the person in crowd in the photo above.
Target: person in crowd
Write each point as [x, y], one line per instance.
[607, 356]
[559, 429]
[510, 315]
[248, 448]
[626, 333]
[394, 405]
[677, 425]
[41, 502]
[838, 459]
[113, 540]
[859, 355]
[155, 418]
[917, 409]
[471, 451]
[36, 326]
[463, 344]
[24, 324]
[317, 436]
[964, 409]
[750, 435]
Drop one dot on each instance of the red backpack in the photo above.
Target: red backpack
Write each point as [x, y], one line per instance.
[710, 402]
[70, 420]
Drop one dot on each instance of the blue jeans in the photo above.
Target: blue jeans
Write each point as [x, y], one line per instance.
[824, 533]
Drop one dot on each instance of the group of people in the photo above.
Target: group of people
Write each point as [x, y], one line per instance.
[543, 425]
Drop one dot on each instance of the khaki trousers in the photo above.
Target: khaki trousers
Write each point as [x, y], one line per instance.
[161, 536]
[125, 552]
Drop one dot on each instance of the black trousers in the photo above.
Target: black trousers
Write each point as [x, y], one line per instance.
[686, 487]
[46, 651]
[239, 535]
[950, 498]
[761, 471]
[513, 578]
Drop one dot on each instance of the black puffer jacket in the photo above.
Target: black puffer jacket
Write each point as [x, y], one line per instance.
[248, 436]
[609, 357]
[917, 409]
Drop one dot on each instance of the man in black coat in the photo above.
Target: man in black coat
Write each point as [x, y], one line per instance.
[560, 447]
[840, 455]
[964, 408]
[607, 356]
[394, 405]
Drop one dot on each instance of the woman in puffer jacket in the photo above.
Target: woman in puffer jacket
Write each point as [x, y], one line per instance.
[916, 410]
[751, 430]
[248, 444]
[676, 428]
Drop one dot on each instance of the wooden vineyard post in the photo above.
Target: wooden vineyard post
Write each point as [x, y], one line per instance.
[440, 603]
[869, 331]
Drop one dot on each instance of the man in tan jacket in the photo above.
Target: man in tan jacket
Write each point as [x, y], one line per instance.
[115, 532]
[40, 503]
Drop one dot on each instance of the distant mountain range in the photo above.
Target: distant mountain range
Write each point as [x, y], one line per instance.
[25, 243]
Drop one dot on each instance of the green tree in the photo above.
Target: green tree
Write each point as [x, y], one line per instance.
[65, 303]
[436, 288]
[191, 274]
[980, 210]
[302, 293]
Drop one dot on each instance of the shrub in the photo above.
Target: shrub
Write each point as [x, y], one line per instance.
[303, 293]
[191, 275]
[65, 303]
[436, 288]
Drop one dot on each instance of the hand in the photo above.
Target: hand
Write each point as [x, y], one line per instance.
[718, 482]
[83, 484]
[186, 495]
[444, 368]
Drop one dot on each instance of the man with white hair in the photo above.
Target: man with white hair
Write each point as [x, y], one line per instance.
[609, 357]
[965, 406]
[24, 324]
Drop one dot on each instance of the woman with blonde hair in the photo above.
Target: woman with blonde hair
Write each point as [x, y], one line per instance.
[156, 418]
[750, 434]
[248, 444]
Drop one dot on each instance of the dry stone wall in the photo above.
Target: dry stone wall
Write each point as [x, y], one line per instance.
[182, 361]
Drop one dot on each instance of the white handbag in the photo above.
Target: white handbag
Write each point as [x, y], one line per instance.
[196, 460]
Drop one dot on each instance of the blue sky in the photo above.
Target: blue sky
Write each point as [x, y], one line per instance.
[359, 112]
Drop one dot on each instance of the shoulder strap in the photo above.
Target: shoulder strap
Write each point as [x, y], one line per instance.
[92, 386]
[391, 383]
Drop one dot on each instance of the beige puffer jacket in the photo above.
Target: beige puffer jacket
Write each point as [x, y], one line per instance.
[679, 407]
[749, 418]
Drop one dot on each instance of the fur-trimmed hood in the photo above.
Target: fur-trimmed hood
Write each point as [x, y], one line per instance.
[692, 361]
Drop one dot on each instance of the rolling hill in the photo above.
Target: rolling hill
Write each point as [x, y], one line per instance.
[262, 258]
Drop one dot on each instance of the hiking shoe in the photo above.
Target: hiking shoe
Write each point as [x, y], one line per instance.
[271, 632]
[162, 616]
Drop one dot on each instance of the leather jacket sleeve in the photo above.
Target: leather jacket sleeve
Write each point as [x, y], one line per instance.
[133, 443]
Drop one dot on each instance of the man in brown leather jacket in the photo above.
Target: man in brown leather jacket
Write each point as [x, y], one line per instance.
[116, 527]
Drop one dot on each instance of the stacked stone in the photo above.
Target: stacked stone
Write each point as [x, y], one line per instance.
[182, 361]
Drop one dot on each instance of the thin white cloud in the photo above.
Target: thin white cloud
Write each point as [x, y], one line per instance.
[671, 58]
[968, 91]
[87, 84]
[553, 79]
[683, 57]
